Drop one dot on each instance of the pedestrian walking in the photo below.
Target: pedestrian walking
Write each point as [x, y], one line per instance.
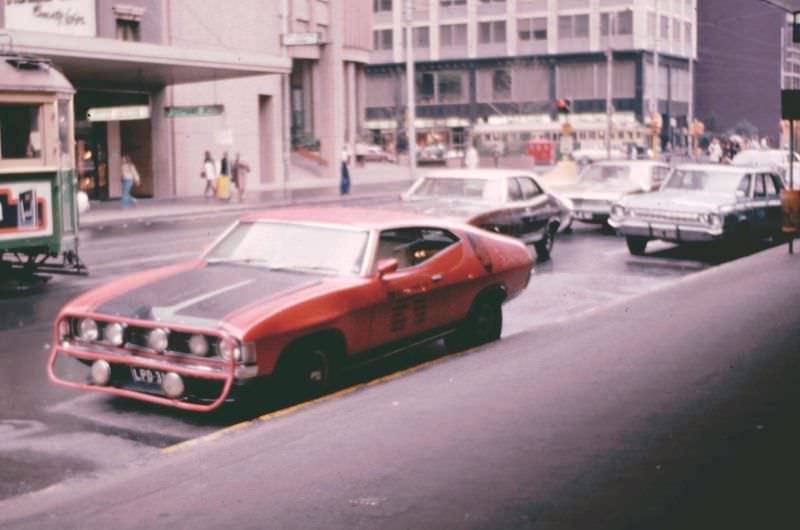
[130, 178]
[344, 183]
[239, 171]
[224, 179]
[471, 158]
[209, 174]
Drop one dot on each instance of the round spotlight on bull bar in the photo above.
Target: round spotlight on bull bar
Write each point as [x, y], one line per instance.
[114, 333]
[101, 372]
[229, 349]
[198, 345]
[172, 384]
[158, 339]
[87, 329]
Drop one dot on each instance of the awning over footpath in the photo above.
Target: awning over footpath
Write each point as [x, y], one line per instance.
[789, 5]
[96, 61]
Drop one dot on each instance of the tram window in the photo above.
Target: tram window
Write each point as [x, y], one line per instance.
[20, 134]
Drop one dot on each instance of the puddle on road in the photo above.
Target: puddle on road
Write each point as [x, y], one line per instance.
[25, 471]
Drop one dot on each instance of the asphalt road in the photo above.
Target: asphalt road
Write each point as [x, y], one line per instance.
[532, 394]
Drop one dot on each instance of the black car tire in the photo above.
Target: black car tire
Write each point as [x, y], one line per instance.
[306, 371]
[636, 245]
[484, 324]
[544, 247]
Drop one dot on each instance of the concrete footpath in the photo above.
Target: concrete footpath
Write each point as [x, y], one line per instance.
[371, 182]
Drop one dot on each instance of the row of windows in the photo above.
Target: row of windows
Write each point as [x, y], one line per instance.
[534, 29]
[380, 6]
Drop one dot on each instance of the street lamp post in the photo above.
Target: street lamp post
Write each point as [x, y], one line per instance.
[612, 19]
[410, 91]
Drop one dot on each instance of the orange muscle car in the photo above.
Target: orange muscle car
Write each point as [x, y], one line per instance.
[293, 294]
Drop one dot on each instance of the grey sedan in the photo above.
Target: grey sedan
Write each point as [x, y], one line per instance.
[701, 203]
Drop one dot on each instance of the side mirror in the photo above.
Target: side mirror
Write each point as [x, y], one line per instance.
[387, 266]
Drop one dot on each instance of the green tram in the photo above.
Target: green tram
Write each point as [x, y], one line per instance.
[38, 185]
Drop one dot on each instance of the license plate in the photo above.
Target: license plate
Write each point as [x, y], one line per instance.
[145, 375]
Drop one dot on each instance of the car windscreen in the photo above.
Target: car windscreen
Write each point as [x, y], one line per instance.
[293, 246]
[472, 189]
[703, 180]
[601, 173]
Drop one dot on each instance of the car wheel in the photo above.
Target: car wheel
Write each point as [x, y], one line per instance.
[307, 372]
[483, 325]
[544, 247]
[636, 245]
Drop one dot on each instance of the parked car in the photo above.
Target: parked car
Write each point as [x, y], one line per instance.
[590, 155]
[432, 155]
[509, 202]
[376, 153]
[776, 158]
[603, 183]
[702, 203]
[291, 295]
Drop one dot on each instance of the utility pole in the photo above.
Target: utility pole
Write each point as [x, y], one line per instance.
[609, 82]
[410, 92]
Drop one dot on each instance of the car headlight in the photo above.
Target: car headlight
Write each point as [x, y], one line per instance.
[87, 329]
[198, 345]
[703, 218]
[618, 211]
[715, 219]
[158, 339]
[229, 349]
[114, 333]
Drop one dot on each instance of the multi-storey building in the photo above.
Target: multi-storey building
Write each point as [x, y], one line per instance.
[165, 80]
[501, 61]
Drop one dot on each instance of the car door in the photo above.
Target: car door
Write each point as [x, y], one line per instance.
[533, 208]
[428, 259]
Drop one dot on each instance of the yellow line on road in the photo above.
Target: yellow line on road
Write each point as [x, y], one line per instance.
[300, 406]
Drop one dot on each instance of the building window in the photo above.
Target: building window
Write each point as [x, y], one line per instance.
[453, 34]
[687, 33]
[501, 84]
[425, 87]
[128, 22]
[379, 6]
[493, 1]
[448, 3]
[421, 37]
[489, 32]
[450, 87]
[676, 30]
[664, 32]
[382, 39]
[573, 26]
[532, 28]
[622, 22]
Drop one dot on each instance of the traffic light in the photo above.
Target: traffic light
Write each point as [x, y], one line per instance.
[563, 106]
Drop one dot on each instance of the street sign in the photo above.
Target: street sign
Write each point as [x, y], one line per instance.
[566, 129]
[309, 38]
[567, 145]
[193, 111]
[129, 112]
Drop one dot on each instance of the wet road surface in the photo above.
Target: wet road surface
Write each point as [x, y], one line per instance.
[45, 430]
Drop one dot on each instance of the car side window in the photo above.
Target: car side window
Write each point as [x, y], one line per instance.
[777, 182]
[658, 177]
[744, 186]
[759, 191]
[412, 246]
[514, 190]
[769, 186]
[529, 188]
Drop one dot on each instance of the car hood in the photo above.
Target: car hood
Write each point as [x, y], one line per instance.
[204, 295]
[608, 191]
[450, 208]
[679, 201]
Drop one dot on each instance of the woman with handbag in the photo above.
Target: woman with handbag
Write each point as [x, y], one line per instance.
[209, 174]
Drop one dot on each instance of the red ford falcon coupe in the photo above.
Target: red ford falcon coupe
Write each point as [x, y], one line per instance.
[294, 293]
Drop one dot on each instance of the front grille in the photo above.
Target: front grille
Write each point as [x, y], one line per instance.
[590, 204]
[661, 215]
